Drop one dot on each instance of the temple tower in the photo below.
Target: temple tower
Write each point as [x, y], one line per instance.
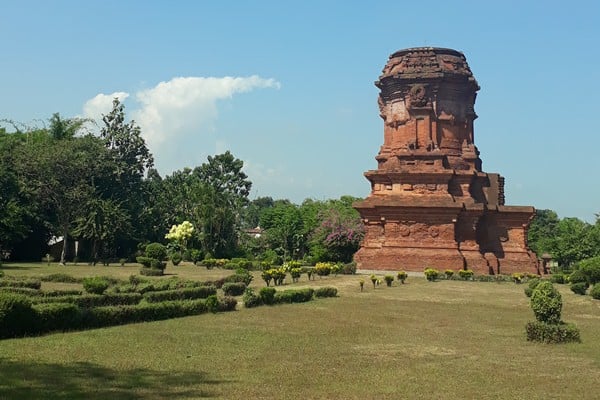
[431, 205]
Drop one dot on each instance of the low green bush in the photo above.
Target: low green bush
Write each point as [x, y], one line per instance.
[151, 272]
[267, 295]
[21, 290]
[349, 268]
[465, 274]
[294, 295]
[543, 332]
[431, 274]
[17, 317]
[96, 285]
[323, 268]
[57, 317]
[579, 288]
[557, 278]
[60, 277]
[58, 293]
[94, 300]
[21, 283]
[449, 273]
[201, 292]
[578, 276]
[326, 291]
[251, 299]
[241, 275]
[145, 261]
[388, 280]
[595, 292]
[401, 276]
[227, 303]
[176, 258]
[234, 288]
[295, 273]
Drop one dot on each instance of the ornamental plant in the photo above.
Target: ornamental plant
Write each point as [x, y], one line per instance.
[517, 277]
[388, 280]
[180, 234]
[323, 268]
[431, 274]
[295, 273]
[465, 274]
[374, 280]
[362, 284]
[401, 276]
[449, 273]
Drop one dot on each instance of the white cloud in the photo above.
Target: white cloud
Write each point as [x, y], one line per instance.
[182, 104]
[95, 107]
[176, 113]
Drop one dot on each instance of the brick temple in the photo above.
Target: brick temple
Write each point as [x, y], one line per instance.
[431, 205]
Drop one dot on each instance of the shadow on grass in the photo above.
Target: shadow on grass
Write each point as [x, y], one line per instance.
[89, 381]
[4, 267]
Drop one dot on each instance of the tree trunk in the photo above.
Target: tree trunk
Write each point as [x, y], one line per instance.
[64, 249]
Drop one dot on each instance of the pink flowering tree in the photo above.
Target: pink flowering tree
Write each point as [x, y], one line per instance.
[339, 235]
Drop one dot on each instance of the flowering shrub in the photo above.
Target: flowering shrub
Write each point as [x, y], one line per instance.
[517, 277]
[340, 234]
[431, 274]
[323, 268]
[465, 274]
[181, 233]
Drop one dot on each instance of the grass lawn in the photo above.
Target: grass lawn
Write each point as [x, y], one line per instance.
[421, 340]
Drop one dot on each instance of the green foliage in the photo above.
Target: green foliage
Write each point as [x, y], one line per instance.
[531, 285]
[323, 268]
[546, 303]
[578, 276]
[374, 280]
[95, 285]
[431, 274]
[591, 269]
[156, 251]
[388, 280]
[57, 317]
[326, 291]
[16, 315]
[145, 261]
[579, 288]
[538, 331]
[465, 274]
[176, 258]
[241, 275]
[402, 275]
[234, 288]
[151, 272]
[267, 295]
[93, 300]
[595, 292]
[558, 278]
[293, 295]
[295, 273]
[449, 273]
[60, 277]
[251, 299]
[201, 292]
[21, 283]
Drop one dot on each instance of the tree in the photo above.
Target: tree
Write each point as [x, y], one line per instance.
[284, 228]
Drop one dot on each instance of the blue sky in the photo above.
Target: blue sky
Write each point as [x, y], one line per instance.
[288, 86]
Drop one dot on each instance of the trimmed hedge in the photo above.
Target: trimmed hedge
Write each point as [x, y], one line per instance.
[21, 283]
[180, 294]
[595, 292]
[294, 295]
[552, 333]
[151, 271]
[60, 277]
[326, 291]
[94, 300]
[57, 317]
[579, 288]
[234, 288]
[251, 299]
[21, 290]
[95, 285]
[17, 317]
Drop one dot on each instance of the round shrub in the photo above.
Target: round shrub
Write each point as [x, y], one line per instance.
[234, 288]
[156, 251]
[176, 258]
[579, 287]
[251, 299]
[326, 291]
[151, 272]
[557, 278]
[591, 269]
[95, 285]
[465, 274]
[449, 273]
[17, 317]
[267, 295]
[531, 285]
[388, 280]
[595, 292]
[431, 274]
[546, 303]
[401, 276]
[578, 276]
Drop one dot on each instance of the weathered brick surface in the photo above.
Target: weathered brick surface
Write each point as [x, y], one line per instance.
[431, 205]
